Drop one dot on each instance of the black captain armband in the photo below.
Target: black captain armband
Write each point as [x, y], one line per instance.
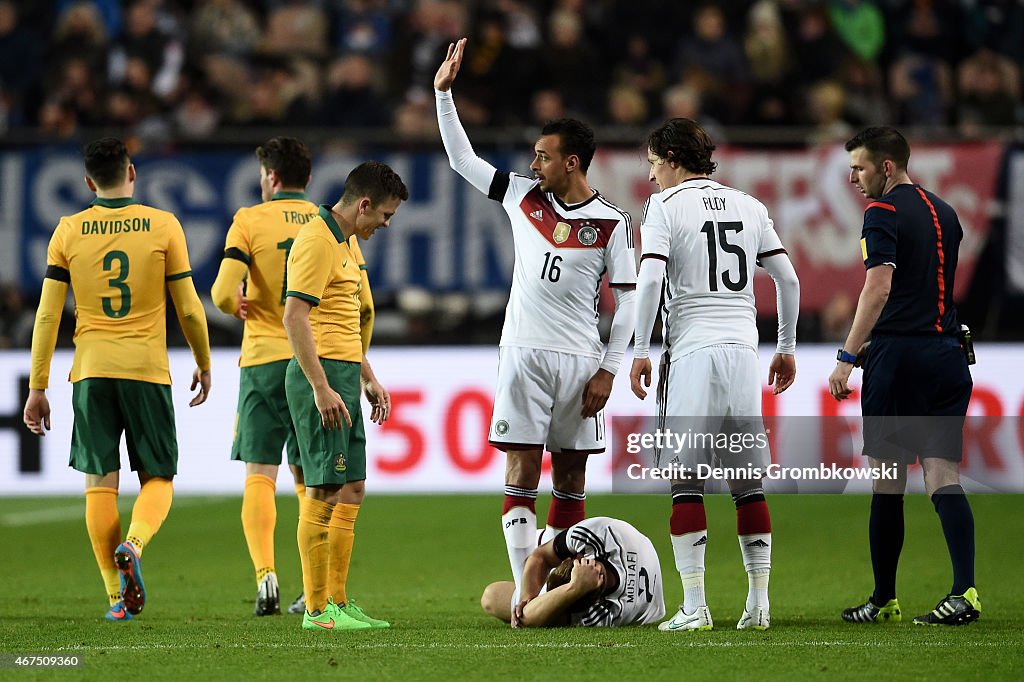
[58, 273]
[237, 254]
[561, 546]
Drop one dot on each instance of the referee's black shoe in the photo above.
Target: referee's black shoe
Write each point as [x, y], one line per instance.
[954, 609]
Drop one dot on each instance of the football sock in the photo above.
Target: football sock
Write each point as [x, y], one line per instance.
[314, 550]
[104, 525]
[958, 526]
[342, 535]
[300, 490]
[885, 536]
[149, 512]
[754, 530]
[567, 509]
[519, 524]
[259, 516]
[689, 527]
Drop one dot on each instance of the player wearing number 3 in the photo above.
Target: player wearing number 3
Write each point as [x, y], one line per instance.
[554, 375]
[120, 258]
[702, 240]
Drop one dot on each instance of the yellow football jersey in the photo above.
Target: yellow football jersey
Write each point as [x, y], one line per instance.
[261, 236]
[119, 255]
[328, 271]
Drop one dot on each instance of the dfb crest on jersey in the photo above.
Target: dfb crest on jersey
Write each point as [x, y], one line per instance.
[561, 232]
[587, 235]
[501, 428]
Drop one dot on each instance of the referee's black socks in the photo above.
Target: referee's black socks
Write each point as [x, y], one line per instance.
[885, 535]
[958, 526]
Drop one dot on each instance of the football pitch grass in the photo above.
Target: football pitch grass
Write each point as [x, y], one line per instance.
[422, 561]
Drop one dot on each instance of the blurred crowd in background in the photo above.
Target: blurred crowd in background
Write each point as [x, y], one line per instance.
[165, 74]
[194, 70]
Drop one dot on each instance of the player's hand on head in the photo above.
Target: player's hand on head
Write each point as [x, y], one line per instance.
[587, 574]
[596, 392]
[200, 379]
[37, 412]
[641, 370]
[450, 66]
[782, 372]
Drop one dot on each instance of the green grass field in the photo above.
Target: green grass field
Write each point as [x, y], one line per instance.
[421, 562]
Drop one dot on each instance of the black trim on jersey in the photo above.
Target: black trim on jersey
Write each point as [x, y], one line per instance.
[575, 207]
[499, 186]
[657, 256]
[237, 254]
[713, 189]
[561, 546]
[587, 536]
[58, 273]
[766, 254]
[626, 218]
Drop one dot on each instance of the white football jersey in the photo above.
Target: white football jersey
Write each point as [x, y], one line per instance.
[561, 254]
[711, 237]
[639, 597]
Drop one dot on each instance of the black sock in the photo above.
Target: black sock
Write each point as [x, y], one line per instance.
[885, 534]
[958, 526]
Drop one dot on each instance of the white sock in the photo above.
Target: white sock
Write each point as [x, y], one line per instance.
[548, 534]
[757, 560]
[520, 527]
[689, 554]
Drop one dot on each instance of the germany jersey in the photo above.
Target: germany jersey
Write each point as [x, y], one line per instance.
[328, 271]
[117, 256]
[261, 237]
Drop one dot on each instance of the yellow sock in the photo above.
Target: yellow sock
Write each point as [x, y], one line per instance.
[103, 522]
[342, 537]
[300, 490]
[150, 510]
[259, 516]
[314, 550]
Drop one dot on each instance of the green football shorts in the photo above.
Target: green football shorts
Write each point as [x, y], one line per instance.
[263, 426]
[106, 408]
[331, 457]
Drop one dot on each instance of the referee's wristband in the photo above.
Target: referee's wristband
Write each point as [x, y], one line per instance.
[843, 356]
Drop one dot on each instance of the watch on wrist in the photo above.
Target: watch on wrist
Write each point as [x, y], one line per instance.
[843, 356]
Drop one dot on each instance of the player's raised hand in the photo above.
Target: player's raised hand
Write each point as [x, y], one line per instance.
[331, 408]
[37, 412]
[596, 392]
[450, 66]
[782, 372]
[641, 370]
[201, 379]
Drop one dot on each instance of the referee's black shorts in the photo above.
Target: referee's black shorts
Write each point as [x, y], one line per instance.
[914, 398]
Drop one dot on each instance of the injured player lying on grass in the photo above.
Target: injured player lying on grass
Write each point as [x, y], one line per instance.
[599, 572]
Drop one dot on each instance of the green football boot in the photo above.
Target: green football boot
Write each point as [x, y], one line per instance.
[332, 618]
[352, 609]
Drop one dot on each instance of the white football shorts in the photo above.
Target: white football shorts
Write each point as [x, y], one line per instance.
[712, 396]
[538, 399]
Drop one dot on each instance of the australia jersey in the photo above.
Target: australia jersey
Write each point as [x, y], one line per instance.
[561, 254]
[711, 237]
[326, 270]
[919, 235]
[261, 236]
[118, 256]
[638, 599]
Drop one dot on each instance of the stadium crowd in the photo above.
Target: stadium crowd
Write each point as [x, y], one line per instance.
[182, 69]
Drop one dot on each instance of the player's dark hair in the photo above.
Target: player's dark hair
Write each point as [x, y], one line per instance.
[560, 575]
[882, 142]
[577, 139]
[287, 157]
[106, 162]
[685, 142]
[374, 180]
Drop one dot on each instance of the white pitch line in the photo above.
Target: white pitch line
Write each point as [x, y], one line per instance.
[71, 512]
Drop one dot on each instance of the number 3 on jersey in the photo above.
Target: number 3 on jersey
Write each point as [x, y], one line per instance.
[117, 283]
[723, 230]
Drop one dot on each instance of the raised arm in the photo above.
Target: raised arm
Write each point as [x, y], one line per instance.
[461, 156]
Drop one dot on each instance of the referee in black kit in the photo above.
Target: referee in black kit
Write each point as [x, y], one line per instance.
[915, 370]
